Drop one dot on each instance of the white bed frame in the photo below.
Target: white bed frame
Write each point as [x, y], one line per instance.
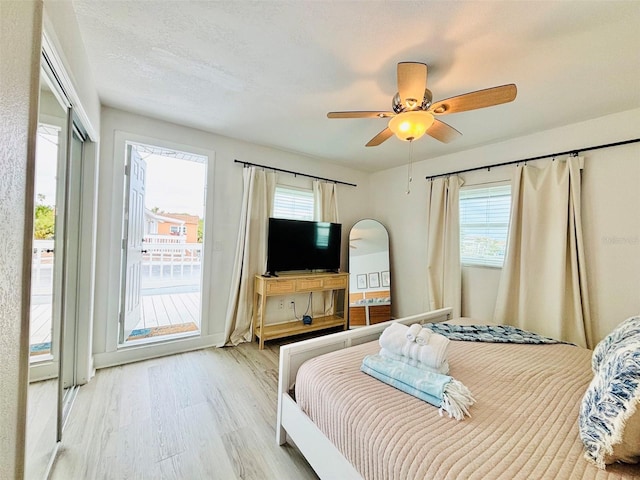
[293, 425]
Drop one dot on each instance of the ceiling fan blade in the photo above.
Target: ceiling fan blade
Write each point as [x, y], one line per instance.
[412, 81]
[475, 100]
[360, 114]
[443, 132]
[381, 137]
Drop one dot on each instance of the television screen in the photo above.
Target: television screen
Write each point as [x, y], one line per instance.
[303, 245]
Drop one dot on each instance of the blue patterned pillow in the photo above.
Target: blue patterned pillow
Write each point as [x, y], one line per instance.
[609, 417]
[629, 329]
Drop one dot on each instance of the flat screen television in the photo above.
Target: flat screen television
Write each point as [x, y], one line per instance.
[295, 245]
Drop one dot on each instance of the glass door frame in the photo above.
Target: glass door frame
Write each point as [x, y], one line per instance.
[67, 376]
[108, 351]
[130, 144]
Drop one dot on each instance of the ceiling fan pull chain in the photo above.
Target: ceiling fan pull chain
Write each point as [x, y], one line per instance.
[410, 170]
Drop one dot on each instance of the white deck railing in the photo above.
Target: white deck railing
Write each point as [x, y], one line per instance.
[166, 256]
[164, 239]
[42, 266]
[164, 260]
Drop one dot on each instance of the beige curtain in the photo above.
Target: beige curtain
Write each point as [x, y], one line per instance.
[443, 244]
[325, 202]
[543, 287]
[251, 253]
[325, 205]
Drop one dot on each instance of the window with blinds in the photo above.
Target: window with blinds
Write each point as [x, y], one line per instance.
[293, 203]
[484, 223]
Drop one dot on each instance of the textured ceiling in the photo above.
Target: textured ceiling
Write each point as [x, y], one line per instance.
[267, 72]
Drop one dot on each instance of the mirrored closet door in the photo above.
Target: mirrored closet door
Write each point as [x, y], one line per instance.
[59, 146]
[369, 274]
[46, 278]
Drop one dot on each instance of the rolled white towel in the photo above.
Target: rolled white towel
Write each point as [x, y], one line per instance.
[443, 369]
[413, 332]
[432, 355]
[422, 338]
[394, 337]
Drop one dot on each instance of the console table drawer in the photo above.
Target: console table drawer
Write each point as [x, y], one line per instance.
[281, 286]
[334, 282]
[308, 284]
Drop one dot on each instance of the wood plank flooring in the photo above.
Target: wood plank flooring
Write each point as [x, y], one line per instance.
[41, 427]
[169, 309]
[208, 414]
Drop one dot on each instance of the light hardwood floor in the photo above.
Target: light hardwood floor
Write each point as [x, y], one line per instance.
[208, 414]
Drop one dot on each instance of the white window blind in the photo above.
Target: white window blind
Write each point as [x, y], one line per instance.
[293, 203]
[484, 223]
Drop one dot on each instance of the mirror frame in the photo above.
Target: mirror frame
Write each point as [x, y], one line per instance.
[370, 284]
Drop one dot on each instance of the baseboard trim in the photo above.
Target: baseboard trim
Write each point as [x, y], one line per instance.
[149, 351]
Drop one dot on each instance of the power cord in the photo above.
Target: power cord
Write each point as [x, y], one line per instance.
[306, 311]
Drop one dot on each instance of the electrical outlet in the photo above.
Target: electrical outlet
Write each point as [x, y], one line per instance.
[291, 305]
[281, 304]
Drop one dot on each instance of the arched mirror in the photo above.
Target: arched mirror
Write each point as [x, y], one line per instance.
[369, 274]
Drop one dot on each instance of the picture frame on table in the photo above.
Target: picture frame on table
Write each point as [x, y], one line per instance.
[361, 281]
[386, 278]
[374, 280]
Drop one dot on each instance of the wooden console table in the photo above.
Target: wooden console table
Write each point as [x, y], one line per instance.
[294, 284]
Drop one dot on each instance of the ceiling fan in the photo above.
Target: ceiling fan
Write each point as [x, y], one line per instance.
[414, 112]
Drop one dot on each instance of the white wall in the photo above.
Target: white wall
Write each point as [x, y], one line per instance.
[20, 37]
[223, 219]
[610, 202]
[370, 263]
[611, 215]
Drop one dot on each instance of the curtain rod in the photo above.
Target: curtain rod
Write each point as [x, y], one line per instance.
[249, 164]
[567, 152]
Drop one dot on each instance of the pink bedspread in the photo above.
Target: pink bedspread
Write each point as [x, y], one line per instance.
[523, 426]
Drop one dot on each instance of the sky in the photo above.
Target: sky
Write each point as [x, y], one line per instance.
[46, 162]
[173, 185]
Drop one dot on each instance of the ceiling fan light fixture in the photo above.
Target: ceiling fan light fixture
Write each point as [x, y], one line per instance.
[412, 125]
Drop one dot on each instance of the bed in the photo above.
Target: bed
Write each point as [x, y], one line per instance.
[524, 424]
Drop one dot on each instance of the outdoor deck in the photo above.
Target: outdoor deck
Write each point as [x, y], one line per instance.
[170, 309]
[170, 293]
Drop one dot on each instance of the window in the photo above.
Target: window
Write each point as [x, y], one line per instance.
[484, 223]
[293, 203]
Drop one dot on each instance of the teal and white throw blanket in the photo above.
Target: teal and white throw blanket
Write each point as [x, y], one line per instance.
[439, 390]
[490, 334]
